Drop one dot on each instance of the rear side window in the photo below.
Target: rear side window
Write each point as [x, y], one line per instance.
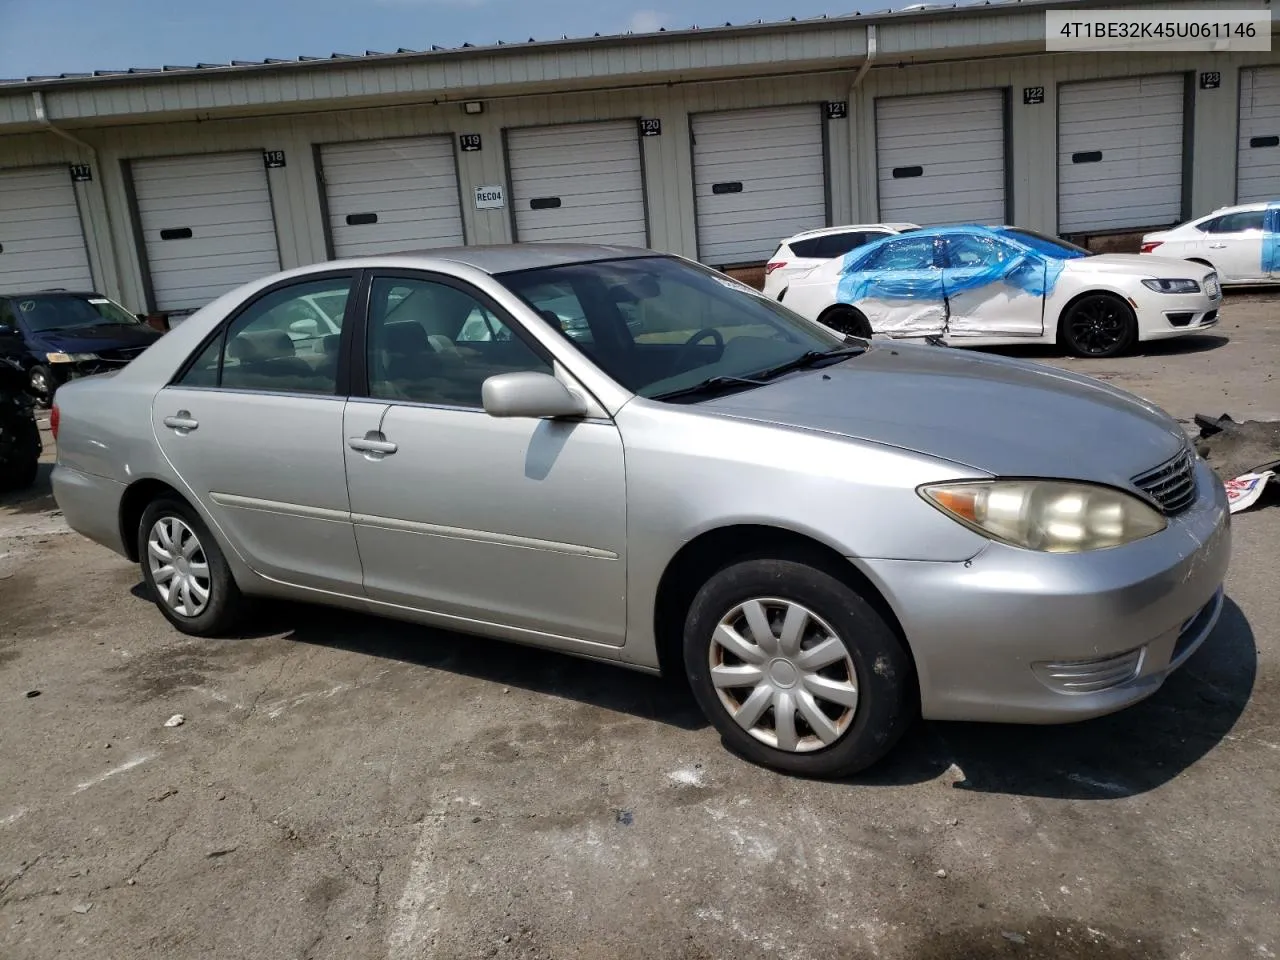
[807, 248]
[285, 342]
[1235, 222]
[838, 244]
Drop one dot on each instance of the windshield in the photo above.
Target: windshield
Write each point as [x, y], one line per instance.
[49, 312]
[1052, 246]
[657, 325]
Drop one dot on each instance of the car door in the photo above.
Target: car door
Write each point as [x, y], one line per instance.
[12, 344]
[1233, 244]
[993, 288]
[253, 429]
[516, 522]
[898, 287]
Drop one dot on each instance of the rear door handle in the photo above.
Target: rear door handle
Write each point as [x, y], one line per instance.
[183, 422]
[1217, 246]
[372, 443]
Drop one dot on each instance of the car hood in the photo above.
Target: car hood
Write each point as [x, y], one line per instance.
[95, 339]
[996, 415]
[1144, 264]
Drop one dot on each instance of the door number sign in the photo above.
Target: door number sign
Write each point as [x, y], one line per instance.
[273, 159]
[1032, 95]
[470, 142]
[1210, 80]
[490, 197]
[81, 173]
[651, 127]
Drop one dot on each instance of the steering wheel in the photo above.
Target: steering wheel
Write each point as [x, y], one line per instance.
[706, 333]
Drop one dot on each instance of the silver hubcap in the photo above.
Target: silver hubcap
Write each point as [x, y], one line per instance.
[178, 567]
[784, 675]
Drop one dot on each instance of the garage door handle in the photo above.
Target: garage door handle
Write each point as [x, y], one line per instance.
[182, 422]
[368, 445]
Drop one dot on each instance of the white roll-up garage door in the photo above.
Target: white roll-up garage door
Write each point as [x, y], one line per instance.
[1120, 153]
[759, 176]
[578, 183]
[386, 196]
[41, 238]
[207, 226]
[941, 158]
[1258, 152]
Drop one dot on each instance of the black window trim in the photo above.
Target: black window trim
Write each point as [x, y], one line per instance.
[358, 373]
[219, 333]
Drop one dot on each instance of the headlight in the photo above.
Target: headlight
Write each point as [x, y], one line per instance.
[1052, 516]
[1172, 286]
[69, 357]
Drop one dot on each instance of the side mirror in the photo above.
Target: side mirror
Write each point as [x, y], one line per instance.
[530, 394]
[141, 316]
[305, 328]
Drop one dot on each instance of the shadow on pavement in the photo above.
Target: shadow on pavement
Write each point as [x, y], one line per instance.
[1178, 346]
[1120, 755]
[36, 498]
[499, 662]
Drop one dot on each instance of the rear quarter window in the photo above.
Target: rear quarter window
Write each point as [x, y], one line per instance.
[807, 248]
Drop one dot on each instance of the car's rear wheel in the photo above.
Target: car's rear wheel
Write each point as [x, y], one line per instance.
[186, 571]
[796, 670]
[850, 321]
[1098, 325]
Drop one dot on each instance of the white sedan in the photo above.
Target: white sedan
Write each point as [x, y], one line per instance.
[1241, 243]
[991, 286]
[799, 254]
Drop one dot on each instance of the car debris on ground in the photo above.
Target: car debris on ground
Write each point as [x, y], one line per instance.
[1245, 454]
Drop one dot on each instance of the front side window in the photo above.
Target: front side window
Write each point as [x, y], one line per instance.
[910, 253]
[658, 324]
[1043, 243]
[431, 342]
[282, 343]
[968, 252]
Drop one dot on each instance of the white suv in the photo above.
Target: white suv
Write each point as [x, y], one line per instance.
[797, 255]
[1239, 242]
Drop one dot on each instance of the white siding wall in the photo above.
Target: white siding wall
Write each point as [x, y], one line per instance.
[41, 237]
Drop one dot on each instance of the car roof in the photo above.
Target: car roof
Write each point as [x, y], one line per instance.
[845, 228]
[507, 258]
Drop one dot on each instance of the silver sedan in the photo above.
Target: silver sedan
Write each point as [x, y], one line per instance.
[630, 457]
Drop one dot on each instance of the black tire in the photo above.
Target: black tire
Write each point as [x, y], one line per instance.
[19, 476]
[886, 700]
[41, 380]
[225, 604]
[1098, 325]
[850, 321]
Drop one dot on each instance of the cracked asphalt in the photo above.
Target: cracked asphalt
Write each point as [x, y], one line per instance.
[347, 787]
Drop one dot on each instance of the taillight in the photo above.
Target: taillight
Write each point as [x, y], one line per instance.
[774, 265]
[1148, 246]
[54, 417]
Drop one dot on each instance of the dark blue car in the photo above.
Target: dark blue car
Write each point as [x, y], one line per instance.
[57, 335]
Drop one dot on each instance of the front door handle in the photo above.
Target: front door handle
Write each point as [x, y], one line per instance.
[1217, 246]
[372, 442]
[182, 423]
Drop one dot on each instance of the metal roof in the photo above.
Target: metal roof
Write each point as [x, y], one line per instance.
[918, 11]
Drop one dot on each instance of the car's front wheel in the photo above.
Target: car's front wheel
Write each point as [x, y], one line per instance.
[796, 670]
[186, 571]
[1098, 325]
[42, 384]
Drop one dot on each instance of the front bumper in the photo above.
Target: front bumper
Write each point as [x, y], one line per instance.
[1164, 315]
[1023, 637]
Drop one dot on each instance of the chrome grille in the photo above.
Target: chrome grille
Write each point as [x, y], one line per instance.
[1172, 485]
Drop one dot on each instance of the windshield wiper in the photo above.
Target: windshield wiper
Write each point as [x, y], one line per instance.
[710, 385]
[810, 358]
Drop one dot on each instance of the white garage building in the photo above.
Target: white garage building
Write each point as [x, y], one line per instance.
[167, 187]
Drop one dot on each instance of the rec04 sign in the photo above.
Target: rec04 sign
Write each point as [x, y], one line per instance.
[490, 198]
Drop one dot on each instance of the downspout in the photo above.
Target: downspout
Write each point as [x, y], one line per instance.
[863, 70]
[42, 117]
